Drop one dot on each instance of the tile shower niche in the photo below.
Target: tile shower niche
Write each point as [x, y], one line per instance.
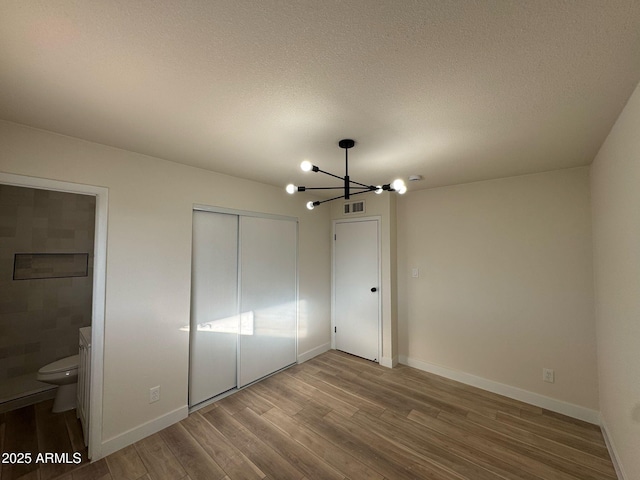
[38, 266]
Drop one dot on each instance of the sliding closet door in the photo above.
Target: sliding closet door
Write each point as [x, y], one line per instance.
[214, 306]
[267, 297]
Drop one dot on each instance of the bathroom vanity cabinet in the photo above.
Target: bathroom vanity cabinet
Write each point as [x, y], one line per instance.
[84, 381]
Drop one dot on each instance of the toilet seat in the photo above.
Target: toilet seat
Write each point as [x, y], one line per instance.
[60, 372]
[62, 365]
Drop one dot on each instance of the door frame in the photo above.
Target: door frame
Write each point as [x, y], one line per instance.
[99, 291]
[378, 220]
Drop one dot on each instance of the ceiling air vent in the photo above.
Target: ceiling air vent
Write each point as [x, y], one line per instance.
[352, 208]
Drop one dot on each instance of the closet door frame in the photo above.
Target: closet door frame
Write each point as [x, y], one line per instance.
[247, 213]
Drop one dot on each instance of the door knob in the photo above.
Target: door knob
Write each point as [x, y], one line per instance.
[374, 289]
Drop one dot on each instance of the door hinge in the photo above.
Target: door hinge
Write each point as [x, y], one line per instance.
[335, 237]
[335, 329]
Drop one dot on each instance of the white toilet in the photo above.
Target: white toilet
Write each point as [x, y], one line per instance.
[64, 373]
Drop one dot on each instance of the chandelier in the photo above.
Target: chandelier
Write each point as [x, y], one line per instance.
[349, 187]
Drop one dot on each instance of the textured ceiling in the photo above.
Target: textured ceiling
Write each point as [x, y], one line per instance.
[456, 91]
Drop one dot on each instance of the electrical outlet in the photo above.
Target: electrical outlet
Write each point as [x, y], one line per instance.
[548, 375]
[154, 394]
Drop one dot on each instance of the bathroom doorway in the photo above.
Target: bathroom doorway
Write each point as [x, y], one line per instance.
[46, 281]
[59, 253]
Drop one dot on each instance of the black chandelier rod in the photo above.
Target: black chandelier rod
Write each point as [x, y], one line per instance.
[364, 191]
[368, 187]
[346, 163]
[327, 173]
[318, 202]
[342, 178]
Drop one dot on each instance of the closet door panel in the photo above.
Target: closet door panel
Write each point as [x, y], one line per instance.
[214, 306]
[267, 297]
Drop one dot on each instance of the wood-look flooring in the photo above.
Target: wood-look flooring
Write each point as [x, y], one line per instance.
[338, 417]
[35, 429]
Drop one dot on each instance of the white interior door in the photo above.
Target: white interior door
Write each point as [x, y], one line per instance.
[268, 290]
[356, 289]
[214, 306]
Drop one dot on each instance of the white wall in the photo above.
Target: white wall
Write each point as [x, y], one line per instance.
[149, 260]
[505, 285]
[615, 183]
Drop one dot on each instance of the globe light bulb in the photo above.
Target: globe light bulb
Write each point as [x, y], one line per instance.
[379, 190]
[402, 190]
[306, 166]
[310, 205]
[291, 188]
[397, 184]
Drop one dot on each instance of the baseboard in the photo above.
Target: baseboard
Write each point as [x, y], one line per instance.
[138, 433]
[389, 362]
[558, 406]
[615, 459]
[314, 352]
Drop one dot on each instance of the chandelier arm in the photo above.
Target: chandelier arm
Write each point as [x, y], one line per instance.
[330, 199]
[337, 188]
[331, 174]
[364, 191]
[362, 184]
[342, 196]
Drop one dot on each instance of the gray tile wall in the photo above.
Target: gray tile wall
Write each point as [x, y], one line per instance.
[39, 319]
